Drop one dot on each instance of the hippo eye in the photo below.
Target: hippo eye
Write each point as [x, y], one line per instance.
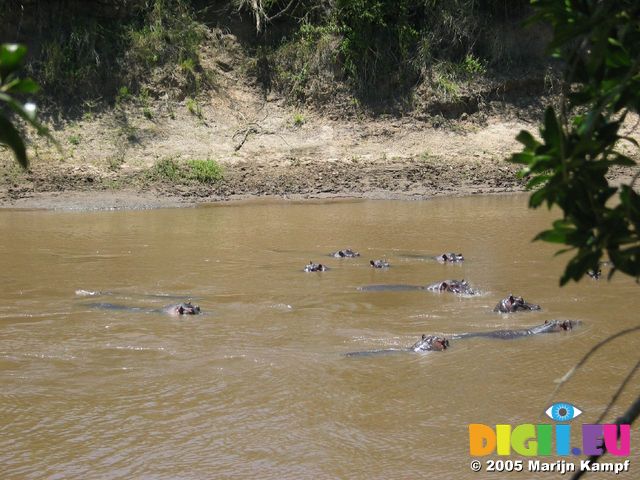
[562, 412]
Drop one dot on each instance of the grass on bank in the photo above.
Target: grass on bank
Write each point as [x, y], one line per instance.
[202, 171]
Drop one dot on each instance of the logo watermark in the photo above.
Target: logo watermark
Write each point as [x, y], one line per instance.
[540, 440]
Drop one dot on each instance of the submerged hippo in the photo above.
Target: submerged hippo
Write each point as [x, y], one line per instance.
[427, 343]
[595, 274]
[514, 304]
[315, 267]
[552, 326]
[430, 343]
[379, 263]
[450, 258]
[347, 253]
[184, 308]
[461, 287]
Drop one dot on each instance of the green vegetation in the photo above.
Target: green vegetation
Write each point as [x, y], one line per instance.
[202, 171]
[307, 50]
[81, 56]
[194, 107]
[74, 139]
[383, 48]
[581, 140]
[11, 57]
[298, 119]
[166, 169]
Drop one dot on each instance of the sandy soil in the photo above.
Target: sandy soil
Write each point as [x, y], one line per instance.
[266, 148]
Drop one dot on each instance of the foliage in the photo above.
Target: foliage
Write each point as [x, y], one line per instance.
[11, 58]
[194, 107]
[82, 55]
[169, 170]
[305, 61]
[599, 41]
[298, 119]
[205, 171]
[166, 169]
[169, 33]
[377, 37]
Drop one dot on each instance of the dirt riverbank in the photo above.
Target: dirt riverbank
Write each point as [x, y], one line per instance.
[110, 159]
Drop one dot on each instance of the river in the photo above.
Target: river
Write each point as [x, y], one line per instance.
[258, 385]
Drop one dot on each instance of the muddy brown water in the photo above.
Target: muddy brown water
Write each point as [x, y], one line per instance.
[258, 386]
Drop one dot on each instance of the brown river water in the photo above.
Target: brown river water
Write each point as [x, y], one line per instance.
[258, 386]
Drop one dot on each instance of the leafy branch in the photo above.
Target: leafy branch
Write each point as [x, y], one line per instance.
[11, 57]
[567, 167]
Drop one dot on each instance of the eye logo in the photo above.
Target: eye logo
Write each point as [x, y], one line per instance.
[562, 412]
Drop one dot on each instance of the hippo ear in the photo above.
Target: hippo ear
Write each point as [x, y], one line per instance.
[180, 309]
[371, 262]
[423, 336]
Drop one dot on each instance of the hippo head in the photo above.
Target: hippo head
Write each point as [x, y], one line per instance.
[513, 303]
[430, 343]
[346, 253]
[561, 325]
[379, 263]
[450, 257]
[187, 308]
[315, 267]
[595, 274]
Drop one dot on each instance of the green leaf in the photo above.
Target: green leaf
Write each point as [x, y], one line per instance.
[26, 111]
[537, 180]
[527, 140]
[11, 55]
[9, 136]
[25, 86]
[521, 158]
[552, 236]
[552, 132]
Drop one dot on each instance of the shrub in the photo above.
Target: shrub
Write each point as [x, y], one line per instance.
[204, 171]
[165, 169]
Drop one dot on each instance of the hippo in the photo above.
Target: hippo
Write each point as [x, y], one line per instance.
[513, 304]
[450, 258]
[427, 343]
[552, 326]
[183, 308]
[315, 267]
[347, 253]
[460, 287]
[379, 263]
[430, 343]
[595, 274]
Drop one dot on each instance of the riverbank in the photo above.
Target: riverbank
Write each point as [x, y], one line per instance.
[392, 158]
[384, 158]
[239, 144]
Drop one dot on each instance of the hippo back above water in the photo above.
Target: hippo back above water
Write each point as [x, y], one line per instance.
[346, 253]
[553, 326]
[450, 258]
[512, 304]
[460, 287]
